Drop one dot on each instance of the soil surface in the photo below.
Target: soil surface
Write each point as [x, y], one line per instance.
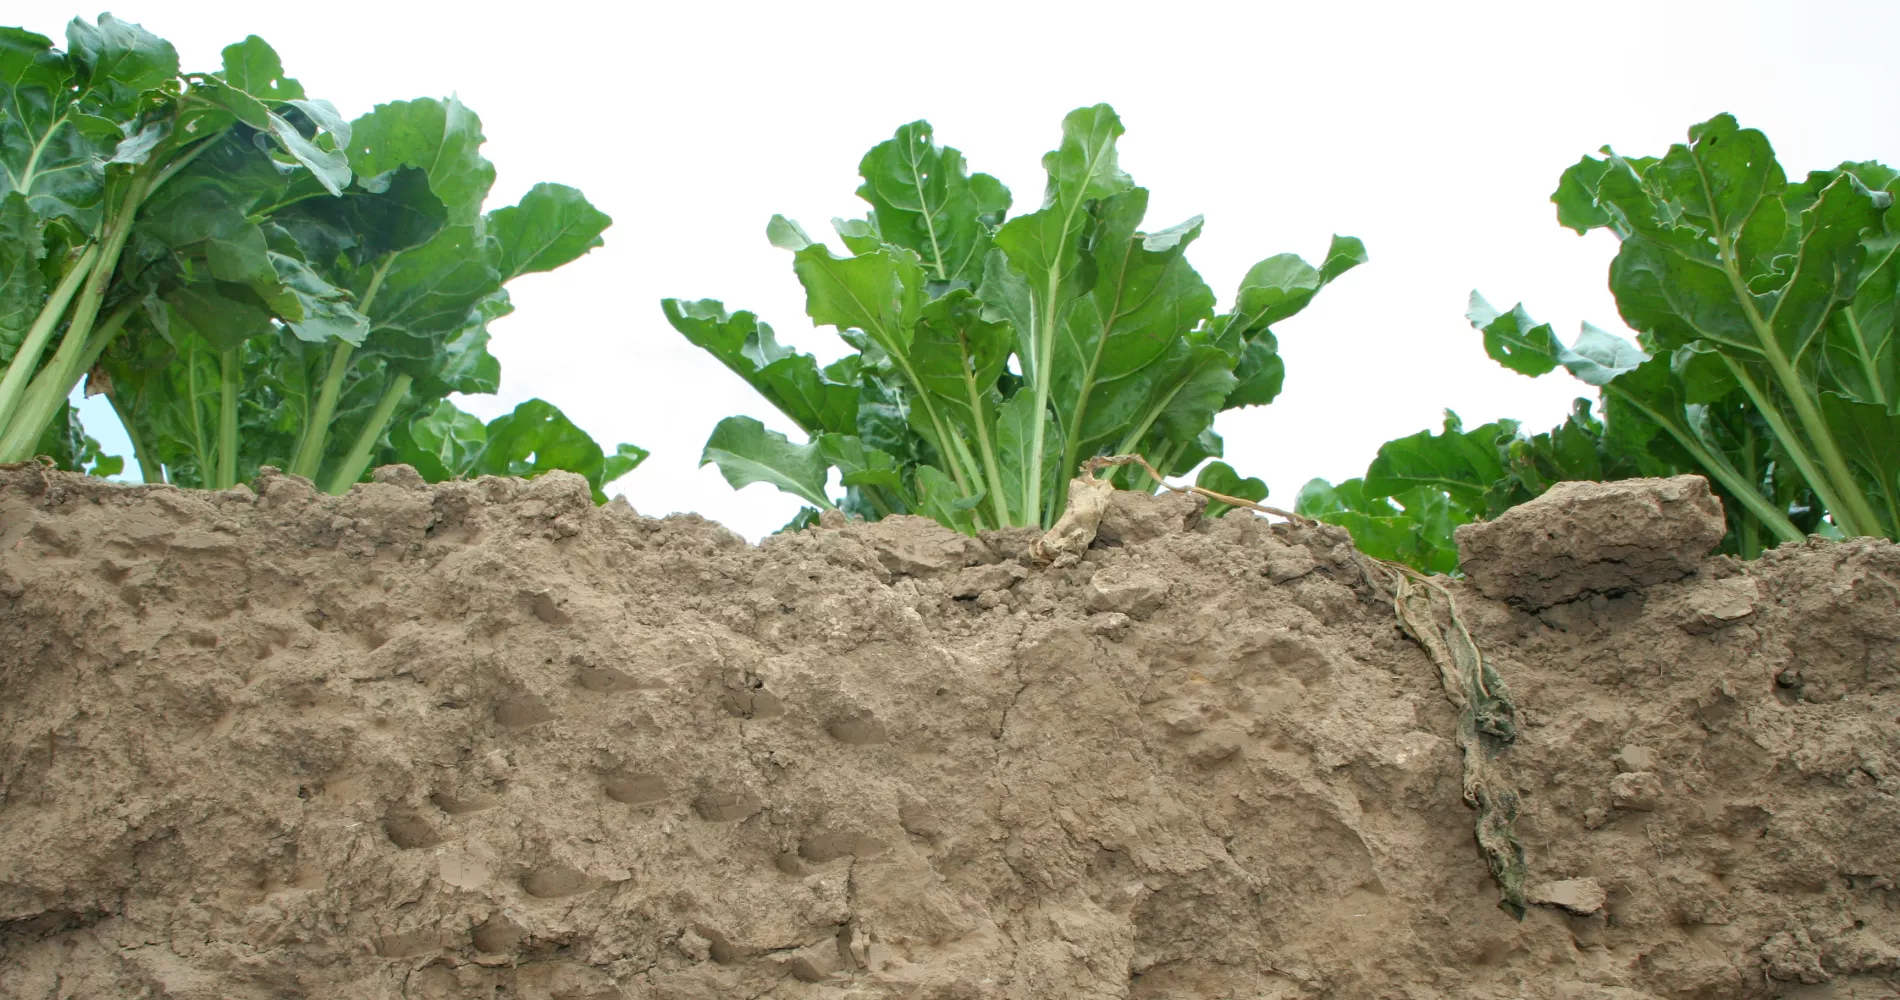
[484, 739]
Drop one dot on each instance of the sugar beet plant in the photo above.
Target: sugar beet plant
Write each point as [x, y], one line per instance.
[993, 354]
[1765, 360]
[250, 279]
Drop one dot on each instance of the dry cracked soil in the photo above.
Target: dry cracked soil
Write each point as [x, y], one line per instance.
[484, 739]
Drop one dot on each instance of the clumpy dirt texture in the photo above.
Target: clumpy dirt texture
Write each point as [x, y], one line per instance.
[1581, 538]
[486, 740]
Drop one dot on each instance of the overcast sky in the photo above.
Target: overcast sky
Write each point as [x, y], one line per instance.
[1434, 132]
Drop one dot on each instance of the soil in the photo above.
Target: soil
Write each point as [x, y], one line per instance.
[484, 739]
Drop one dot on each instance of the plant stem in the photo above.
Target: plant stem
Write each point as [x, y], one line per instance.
[1719, 468]
[206, 463]
[103, 334]
[27, 359]
[308, 457]
[150, 470]
[1867, 367]
[358, 458]
[55, 382]
[228, 420]
[1855, 516]
[979, 415]
[1823, 487]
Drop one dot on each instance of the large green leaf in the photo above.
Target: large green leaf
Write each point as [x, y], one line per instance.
[956, 356]
[442, 138]
[746, 453]
[536, 438]
[427, 293]
[115, 62]
[789, 380]
[924, 198]
[441, 442]
[1513, 339]
[21, 283]
[56, 131]
[553, 225]
[1455, 461]
[1145, 299]
[880, 293]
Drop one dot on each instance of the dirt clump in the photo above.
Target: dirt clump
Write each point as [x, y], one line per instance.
[484, 739]
[1582, 538]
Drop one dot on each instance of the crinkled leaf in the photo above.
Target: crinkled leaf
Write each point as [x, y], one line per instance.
[115, 62]
[315, 309]
[428, 292]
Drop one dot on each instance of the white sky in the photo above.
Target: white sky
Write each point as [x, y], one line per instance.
[1434, 132]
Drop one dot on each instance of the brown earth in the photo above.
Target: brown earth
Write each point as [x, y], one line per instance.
[486, 740]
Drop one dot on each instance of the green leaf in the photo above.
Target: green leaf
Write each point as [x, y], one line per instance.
[427, 294]
[879, 293]
[1085, 166]
[441, 138]
[625, 459]
[923, 198]
[314, 309]
[858, 464]
[115, 62]
[1827, 266]
[22, 287]
[1346, 253]
[1260, 373]
[441, 442]
[1513, 339]
[553, 225]
[1418, 533]
[219, 313]
[1145, 299]
[1576, 196]
[253, 67]
[1221, 478]
[939, 498]
[1871, 438]
[1600, 357]
[1015, 433]
[788, 380]
[537, 438]
[1460, 463]
[746, 453]
[50, 145]
[73, 450]
[957, 355]
[465, 364]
